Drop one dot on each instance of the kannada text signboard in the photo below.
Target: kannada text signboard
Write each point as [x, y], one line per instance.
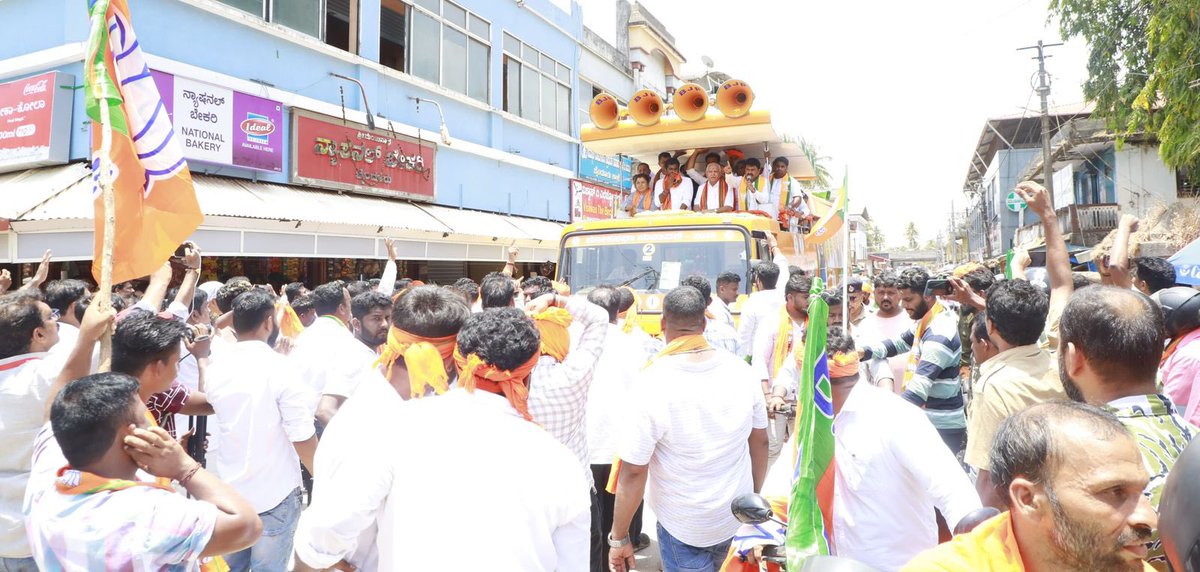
[35, 121]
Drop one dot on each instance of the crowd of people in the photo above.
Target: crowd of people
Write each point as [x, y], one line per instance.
[505, 424]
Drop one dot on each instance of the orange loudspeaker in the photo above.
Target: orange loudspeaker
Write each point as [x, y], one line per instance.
[646, 107]
[690, 102]
[734, 98]
[604, 111]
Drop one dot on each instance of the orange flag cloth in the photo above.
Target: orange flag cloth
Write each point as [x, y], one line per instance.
[552, 324]
[424, 357]
[473, 373]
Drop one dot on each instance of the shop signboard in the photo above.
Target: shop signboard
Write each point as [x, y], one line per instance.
[221, 126]
[593, 202]
[608, 170]
[35, 121]
[330, 153]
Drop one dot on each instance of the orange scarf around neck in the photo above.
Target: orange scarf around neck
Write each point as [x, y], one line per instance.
[425, 359]
[724, 189]
[669, 184]
[75, 482]
[913, 355]
[474, 373]
[631, 315]
[784, 342]
[646, 198]
[290, 325]
[552, 324]
[745, 189]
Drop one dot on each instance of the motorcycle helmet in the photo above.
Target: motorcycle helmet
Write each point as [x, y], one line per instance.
[1181, 309]
[1179, 521]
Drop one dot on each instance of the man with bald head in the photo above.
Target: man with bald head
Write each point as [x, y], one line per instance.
[1072, 477]
[1110, 344]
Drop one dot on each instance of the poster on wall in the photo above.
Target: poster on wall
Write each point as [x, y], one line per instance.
[330, 153]
[221, 126]
[35, 121]
[593, 202]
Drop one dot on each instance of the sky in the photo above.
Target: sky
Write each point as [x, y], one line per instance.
[895, 93]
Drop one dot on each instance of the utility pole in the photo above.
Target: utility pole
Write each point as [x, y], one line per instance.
[1043, 90]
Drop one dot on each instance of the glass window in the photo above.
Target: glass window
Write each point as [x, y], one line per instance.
[454, 14]
[563, 105]
[300, 15]
[617, 257]
[563, 73]
[512, 85]
[529, 54]
[392, 34]
[337, 24]
[481, 28]
[547, 64]
[529, 93]
[512, 45]
[425, 57]
[252, 6]
[432, 5]
[454, 60]
[549, 110]
[477, 71]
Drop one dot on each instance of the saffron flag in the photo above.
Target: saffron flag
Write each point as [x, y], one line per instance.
[830, 224]
[132, 139]
[807, 533]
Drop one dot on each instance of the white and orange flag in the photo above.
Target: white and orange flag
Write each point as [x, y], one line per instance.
[156, 206]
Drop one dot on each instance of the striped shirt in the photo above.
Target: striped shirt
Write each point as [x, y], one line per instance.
[1162, 435]
[934, 384]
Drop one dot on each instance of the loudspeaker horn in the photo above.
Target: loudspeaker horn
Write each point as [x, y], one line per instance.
[646, 107]
[734, 98]
[604, 111]
[690, 102]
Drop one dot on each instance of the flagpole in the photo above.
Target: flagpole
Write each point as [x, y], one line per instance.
[105, 180]
[846, 255]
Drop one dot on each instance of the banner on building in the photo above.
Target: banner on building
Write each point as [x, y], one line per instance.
[221, 126]
[347, 156]
[35, 121]
[608, 170]
[593, 202]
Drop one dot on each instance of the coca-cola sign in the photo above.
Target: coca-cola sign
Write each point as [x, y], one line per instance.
[347, 156]
[35, 121]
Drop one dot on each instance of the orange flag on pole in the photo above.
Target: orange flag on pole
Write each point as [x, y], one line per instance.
[134, 149]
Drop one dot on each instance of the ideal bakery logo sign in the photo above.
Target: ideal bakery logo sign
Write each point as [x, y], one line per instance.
[221, 126]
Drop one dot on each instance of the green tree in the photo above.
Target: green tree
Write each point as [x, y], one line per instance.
[911, 236]
[819, 163]
[1143, 70]
[876, 241]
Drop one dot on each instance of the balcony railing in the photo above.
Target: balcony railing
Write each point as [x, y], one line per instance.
[1087, 225]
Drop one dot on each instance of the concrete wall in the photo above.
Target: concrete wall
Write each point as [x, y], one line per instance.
[227, 45]
[1142, 180]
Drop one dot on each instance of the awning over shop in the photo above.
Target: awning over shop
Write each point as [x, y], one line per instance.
[52, 208]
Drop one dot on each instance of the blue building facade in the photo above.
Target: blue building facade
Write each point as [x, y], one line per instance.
[499, 78]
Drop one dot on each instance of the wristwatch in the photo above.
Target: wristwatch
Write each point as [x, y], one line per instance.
[614, 543]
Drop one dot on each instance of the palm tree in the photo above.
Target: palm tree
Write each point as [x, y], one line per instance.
[911, 235]
[822, 177]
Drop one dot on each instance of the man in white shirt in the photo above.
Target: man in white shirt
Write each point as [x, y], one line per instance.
[418, 359]
[28, 333]
[893, 469]
[696, 433]
[763, 304]
[785, 191]
[888, 323]
[66, 296]
[754, 189]
[673, 190]
[623, 356]
[326, 354]
[698, 175]
[728, 286]
[715, 192]
[719, 334]
[265, 425]
[502, 485]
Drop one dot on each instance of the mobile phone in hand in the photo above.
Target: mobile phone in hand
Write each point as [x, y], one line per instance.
[937, 287]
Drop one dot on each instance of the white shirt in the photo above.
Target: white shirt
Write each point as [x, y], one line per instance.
[24, 385]
[876, 329]
[681, 195]
[714, 195]
[326, 354]
[691, 422]
[622, 358]
[262, 409]
[721, 312]
[760, 200]
[892, 471]
[761, 308]
[778, 188]
[502, 495]
[763, 357]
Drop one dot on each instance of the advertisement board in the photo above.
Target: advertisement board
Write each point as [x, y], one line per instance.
[217, 125]
[608, 170]
[35, 121]
[347, 156]
[593, 202]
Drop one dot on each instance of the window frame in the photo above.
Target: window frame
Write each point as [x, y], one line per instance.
[465, 30]
[322, 8]
[536, 67]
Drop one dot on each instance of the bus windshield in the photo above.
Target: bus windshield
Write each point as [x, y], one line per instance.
[652, 260]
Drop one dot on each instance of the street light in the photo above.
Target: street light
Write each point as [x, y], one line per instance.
[444, 131]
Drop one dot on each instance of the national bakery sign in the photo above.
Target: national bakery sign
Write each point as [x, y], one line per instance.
[35, 121]
[330, 153]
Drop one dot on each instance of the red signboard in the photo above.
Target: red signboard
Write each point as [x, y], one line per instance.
[351, 157]
[593, 202]
[35, 121]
